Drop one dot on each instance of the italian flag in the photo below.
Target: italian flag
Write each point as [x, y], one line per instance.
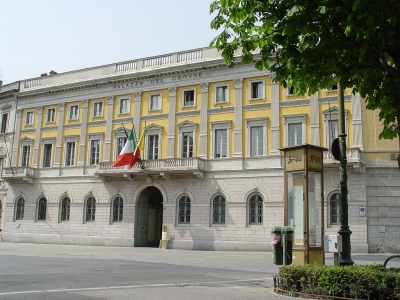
[126, 156]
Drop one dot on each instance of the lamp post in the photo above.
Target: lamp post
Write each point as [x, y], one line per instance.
[345, 255]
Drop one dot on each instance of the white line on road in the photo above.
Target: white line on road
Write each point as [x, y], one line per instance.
[132, 286]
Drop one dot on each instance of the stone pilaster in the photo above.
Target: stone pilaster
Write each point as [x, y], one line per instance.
[16, 137]
[37, 137]
[107, 143]
[136, 112]
[238, 132]
[203, 120]
[171, 122]
[357, 121]
[314, 120]
[275, 130]
[60, 125]
[82, 137]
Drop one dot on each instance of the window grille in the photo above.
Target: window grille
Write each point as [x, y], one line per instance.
[42, 207]
[219, 205]
[184, 210]
[65, 209]
[90, 209]
[118, 205]
[256, 210]
[19, 214]
[335, 211]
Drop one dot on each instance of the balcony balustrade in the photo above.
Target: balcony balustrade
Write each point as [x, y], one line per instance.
[18, 174]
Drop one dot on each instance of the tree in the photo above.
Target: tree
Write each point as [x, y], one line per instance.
[313, 44]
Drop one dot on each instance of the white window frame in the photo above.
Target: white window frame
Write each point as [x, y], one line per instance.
[253, 81]
[221, 125]
[153, 129]
[70, 139]
[29, 122]
[47, 141]
[227, 93]
[259, 122]
[95, 103]
[94, 137]
[26, 142]
[70, 116]
[150, 102]
[289, 93]
[292, 119]
[128, 106]
[119, 133]
[333, 115]
[5, 128]
[184, 91]
[48, 114]
[186, 126]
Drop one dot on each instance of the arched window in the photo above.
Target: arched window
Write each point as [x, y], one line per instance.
[117, 209]
[334, 204]
[184, 210]
[19, 209]
[90, 209]
[65, 208]
[218, 206]
[255, 210]
[41, 209]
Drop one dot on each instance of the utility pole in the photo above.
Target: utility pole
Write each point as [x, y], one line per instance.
[345, 255]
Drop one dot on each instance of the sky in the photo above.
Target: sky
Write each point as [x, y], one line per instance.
[38, 36]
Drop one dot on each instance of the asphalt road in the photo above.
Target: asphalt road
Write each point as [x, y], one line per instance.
[33, 271]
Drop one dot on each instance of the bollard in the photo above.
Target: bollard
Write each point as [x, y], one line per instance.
[164, 239]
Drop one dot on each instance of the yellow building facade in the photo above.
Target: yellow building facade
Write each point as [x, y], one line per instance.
[211, 166]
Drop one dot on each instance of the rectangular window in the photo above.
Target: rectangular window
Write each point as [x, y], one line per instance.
[70, 154]
[120, 145]
[188, 98]
[26, 151]
[4, 119]
[29, 118]
[123, 106]
[155, 102]
[47, 155]
[73, 112]
[221, 143]
[187, 144]
[153, 147]
[290, 90]
[333, 130]
[221, 94]
[98, 109]
[295, 134]
[256, 141]
[51, 115]
[94, 152]
[257, 90]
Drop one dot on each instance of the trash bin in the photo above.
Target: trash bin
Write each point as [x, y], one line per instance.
[277, 245]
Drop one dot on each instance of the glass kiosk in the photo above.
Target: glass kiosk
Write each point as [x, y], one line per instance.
[304, 206]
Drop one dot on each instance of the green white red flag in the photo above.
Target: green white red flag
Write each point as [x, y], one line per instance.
[126, 156]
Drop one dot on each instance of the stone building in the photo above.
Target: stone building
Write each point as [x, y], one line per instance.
[211, 166]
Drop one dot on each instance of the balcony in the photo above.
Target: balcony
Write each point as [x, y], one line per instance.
[192, 167]
[355, 159]
[16, 174]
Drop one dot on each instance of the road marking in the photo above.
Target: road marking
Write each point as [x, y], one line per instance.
[132, 286]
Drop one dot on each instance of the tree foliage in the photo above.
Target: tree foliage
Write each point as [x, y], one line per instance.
[313, 44]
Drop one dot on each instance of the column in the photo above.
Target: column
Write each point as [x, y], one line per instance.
[238, 130]
[16, 137]
[82, 137]
[136, 112]
[275, 117]
[37, 137]
[60, 126]
[203, 119]
[357, 121]
[314, 120]
[107, 143]
[171, 123]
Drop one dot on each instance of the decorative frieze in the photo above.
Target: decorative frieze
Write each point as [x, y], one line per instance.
[28, 131]
[294, 103]
[123, 121]
[332, 99]
[98, 123]
[72, 126]
[224, 110]
[155, 117]
[256, 107]
[193, 113]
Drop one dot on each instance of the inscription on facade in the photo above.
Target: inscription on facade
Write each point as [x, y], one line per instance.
[141, 83]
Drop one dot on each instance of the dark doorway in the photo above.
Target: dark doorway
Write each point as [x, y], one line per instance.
[149, 217]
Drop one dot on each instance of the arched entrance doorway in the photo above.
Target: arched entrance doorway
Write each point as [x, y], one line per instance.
[149, 218]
